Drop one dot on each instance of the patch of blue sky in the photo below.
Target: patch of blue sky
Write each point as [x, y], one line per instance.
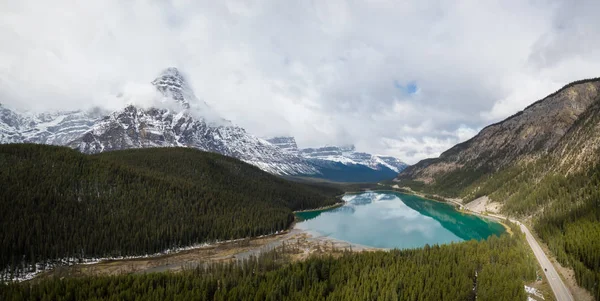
[409, 88]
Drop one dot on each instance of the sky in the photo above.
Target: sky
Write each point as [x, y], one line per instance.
[402, 78]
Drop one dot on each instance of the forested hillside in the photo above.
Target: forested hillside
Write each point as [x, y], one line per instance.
[494, 269]
[552, 177]
[59, 203]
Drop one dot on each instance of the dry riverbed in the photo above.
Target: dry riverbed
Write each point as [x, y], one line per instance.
[297, 243]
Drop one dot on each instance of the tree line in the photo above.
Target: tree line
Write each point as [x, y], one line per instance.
[58, 203]
[493, 269]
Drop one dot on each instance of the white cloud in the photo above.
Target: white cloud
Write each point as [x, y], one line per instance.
[323, 71]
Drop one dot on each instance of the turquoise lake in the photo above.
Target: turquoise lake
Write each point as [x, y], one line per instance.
[396, 220]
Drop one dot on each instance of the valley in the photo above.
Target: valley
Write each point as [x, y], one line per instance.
[159, 180]
[342, 150]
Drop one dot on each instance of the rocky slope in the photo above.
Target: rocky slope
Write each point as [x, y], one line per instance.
[344, 164]
[287, 144]
[540, 129]
[349, 155]
[135, 127]
[58, 128]
[343, 154]
[178, 119]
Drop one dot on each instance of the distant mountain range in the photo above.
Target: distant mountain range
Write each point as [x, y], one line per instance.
[344, 163]
[181, 119]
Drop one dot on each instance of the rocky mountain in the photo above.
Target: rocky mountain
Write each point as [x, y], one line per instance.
[135, 127]
[173, 86]
[349, 155]
[287, 144]
[343, 154]
[178, 118]
[58, 128]
[540, 165]
[187, 126]
[344, 163]
[538, 130]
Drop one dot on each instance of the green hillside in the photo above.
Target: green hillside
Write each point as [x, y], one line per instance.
[58, 203]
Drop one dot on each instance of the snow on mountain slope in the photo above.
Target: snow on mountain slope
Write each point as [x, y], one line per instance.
[285, 143]
[11, 125]
[173, 85]
[342, 154]
[392, 163]
[349, 155]
[135, 127]
[61, 127]
[58, 128]
[179, 118]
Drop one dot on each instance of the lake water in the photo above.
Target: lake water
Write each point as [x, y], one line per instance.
[396, 220]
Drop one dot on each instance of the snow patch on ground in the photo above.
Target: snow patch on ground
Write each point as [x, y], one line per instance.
[33, 270]
[533, 291]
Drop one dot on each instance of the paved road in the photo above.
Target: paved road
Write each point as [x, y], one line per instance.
[561, 292]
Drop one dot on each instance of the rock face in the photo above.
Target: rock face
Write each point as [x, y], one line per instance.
[349, 155]
[287, 144]
[173, 85]
[58, 128]
[344, 163]
[540, 129]
[135, 127]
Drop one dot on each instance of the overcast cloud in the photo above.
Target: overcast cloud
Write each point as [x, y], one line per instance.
[403, 78]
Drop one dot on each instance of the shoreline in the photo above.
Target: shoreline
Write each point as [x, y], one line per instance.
[298, 244]
[309, 242]
[461, 207]
[336, 205]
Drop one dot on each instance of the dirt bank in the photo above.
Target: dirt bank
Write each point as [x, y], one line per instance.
[298, 243]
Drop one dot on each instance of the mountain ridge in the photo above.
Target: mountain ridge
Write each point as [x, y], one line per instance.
[180, 119]
[342, 154]
[190, 123]
[541, 165]
[534, 130]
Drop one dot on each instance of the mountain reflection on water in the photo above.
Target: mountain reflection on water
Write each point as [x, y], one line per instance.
[395, 220]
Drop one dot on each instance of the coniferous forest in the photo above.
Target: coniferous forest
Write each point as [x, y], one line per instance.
[63, 204]
[494, 269]
[58, 203]
[570, 220]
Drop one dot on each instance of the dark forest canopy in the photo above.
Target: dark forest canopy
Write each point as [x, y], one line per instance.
[58, 203]
[495, 269]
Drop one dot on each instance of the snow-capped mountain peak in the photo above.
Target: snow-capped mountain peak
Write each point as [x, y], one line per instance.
[173, 85]
[346, 155]
[181, 119]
